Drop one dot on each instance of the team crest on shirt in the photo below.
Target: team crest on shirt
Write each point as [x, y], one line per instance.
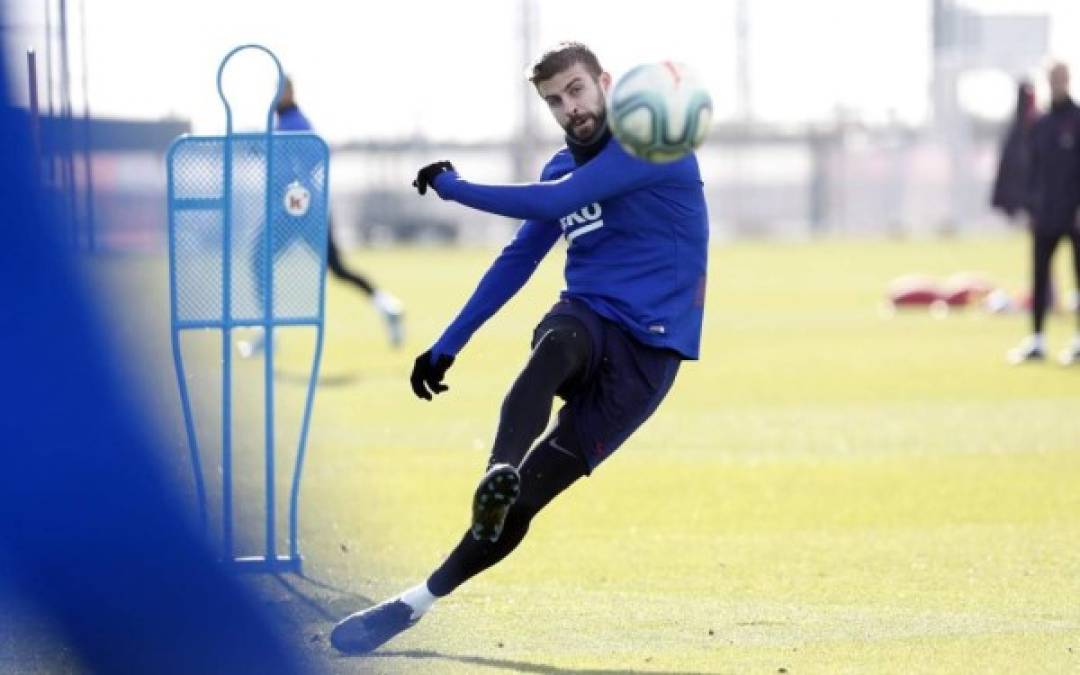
[584, 220]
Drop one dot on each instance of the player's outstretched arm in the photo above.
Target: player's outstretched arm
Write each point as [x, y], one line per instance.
[610, 173]
[507, 274]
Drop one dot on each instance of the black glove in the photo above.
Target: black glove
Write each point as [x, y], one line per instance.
[427, 375]
[426, 177]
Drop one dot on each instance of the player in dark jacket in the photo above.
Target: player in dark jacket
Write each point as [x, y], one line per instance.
[637, 237]
[1011, 182]
[1054, 200]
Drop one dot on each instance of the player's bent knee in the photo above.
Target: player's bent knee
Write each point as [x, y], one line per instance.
[564, 344]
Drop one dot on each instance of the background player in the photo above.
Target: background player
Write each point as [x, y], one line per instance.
[1054, 195]
[290, 118]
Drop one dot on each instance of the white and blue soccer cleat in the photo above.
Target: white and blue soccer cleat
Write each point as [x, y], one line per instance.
[366, 631]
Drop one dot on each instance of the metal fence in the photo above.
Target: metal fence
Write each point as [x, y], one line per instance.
[759, 184]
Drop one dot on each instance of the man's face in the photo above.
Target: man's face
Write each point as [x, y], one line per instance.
[576, 99]
[1059, 82]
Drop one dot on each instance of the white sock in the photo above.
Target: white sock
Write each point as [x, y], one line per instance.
[419, 598]
[386, 303]
[1036, 341]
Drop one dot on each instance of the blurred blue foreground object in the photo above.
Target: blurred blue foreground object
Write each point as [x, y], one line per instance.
[92, 536]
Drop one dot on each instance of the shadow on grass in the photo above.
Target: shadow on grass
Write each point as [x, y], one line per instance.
[520, 666]
[327, 380]
[326, 586]
[317, 608]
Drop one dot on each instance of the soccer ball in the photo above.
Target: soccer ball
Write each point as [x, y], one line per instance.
[659, 111]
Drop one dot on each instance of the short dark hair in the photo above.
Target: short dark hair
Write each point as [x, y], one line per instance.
[562, 56]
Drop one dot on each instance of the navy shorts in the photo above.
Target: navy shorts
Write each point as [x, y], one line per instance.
[622, 386]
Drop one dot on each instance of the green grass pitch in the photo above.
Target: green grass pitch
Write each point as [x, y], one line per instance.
[827, 490]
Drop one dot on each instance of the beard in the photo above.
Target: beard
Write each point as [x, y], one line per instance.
[584, 126]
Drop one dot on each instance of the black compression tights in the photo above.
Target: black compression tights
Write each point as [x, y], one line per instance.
[560, 354]
[338, 269]
[561, 348]
[545, 473]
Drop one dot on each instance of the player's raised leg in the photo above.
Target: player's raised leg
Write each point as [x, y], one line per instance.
[545, 473]
[560, 359]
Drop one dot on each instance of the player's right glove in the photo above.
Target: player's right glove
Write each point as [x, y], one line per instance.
[427, 375]
[426, 177]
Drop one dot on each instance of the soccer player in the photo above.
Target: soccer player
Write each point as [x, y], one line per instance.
[289, 118]
[636, 236]
[1054, 181]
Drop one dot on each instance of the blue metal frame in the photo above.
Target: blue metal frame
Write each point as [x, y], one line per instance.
[270, 561]
[178, 361]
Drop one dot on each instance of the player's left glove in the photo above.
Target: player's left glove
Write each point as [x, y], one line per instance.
[426, 176]
[427, 374]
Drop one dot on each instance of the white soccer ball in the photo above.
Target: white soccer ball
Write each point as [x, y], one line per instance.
[659, 111]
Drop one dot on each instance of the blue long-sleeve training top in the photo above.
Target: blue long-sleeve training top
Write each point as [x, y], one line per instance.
[289, 118]
[637, 235]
